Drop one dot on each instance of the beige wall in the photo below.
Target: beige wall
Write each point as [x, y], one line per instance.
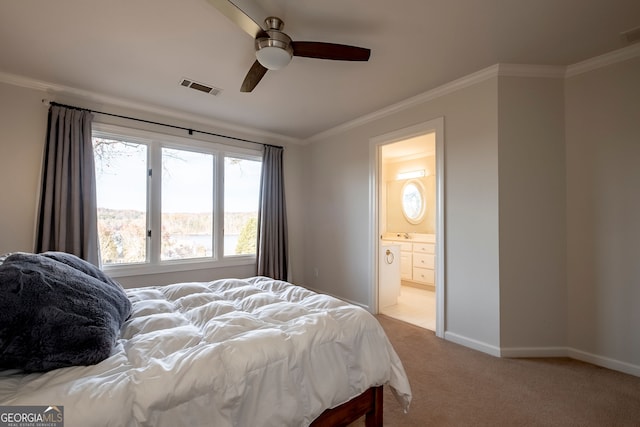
[338, 179]
[23, 120]
[603, 211]
[533, 298]
[541, 213]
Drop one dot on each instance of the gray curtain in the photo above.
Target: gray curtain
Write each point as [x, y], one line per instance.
[272, 217]
[67, 217]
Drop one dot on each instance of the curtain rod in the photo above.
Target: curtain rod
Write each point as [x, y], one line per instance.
[190, 130]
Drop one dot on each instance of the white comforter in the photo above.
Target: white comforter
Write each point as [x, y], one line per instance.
[253, 352]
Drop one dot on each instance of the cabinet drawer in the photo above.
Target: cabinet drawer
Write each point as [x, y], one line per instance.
[423, 260]
[423, 275]
[425, 248]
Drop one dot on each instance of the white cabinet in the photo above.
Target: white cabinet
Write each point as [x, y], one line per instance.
[389, 275]
[417, 262]
[424, 276]
[424, 248]
[406, 271]
[406, 259]
[424, 263]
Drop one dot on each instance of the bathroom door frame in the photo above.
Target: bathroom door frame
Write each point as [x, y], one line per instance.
[375, 166]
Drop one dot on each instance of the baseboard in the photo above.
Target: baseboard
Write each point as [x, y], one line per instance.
[594, 359]
[534, 352]
[471, 343]
[605, 362]
[519, 352]
[318, 291]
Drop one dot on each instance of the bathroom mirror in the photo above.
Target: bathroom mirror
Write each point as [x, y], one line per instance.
[414, 205]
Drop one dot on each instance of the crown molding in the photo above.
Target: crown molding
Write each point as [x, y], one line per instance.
[54, 91]
[501, 70]
[609, 58]
[15, 80]
[531, 70]
[427, 96]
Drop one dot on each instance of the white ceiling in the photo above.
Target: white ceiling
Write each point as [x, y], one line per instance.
[139, 50]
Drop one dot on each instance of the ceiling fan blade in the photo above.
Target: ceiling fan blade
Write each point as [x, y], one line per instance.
[333, 51]
[255, 74]
[238, 17]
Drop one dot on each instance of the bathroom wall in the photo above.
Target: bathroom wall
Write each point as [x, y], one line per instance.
[395, 219]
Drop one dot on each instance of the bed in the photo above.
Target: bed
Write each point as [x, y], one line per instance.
[231, 352]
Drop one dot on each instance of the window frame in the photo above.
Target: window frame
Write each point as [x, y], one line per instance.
[155, 142]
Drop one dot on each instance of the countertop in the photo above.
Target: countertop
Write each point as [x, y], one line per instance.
[413, 237]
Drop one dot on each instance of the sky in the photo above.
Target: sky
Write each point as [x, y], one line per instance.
[187, 181]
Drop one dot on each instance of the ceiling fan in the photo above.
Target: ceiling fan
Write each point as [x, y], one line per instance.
[275, 49]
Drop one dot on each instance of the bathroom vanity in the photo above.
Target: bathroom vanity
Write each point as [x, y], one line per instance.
[417, 257]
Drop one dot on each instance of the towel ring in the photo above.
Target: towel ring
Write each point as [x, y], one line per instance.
[389, 258]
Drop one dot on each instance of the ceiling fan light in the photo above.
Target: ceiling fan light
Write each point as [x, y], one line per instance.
[274, 52]
[273, 58]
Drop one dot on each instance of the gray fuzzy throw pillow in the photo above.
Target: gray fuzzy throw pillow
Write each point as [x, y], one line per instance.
[57, 310]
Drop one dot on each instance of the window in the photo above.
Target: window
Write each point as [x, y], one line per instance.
[121, 179]
[186, 219]
[171, 203]
[241, 195]
[413, 201]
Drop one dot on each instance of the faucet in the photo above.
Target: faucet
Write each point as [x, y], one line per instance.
[406, 235]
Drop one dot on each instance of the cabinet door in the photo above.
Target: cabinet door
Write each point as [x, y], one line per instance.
[405, 266]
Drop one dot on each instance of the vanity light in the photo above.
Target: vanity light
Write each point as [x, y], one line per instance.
[412, 174]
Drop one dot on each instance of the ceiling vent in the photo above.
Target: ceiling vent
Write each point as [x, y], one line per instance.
[200, 87]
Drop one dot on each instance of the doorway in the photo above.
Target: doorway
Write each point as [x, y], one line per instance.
[408, 225]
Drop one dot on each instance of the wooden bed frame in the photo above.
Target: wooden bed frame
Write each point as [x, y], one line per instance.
[368, 404]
